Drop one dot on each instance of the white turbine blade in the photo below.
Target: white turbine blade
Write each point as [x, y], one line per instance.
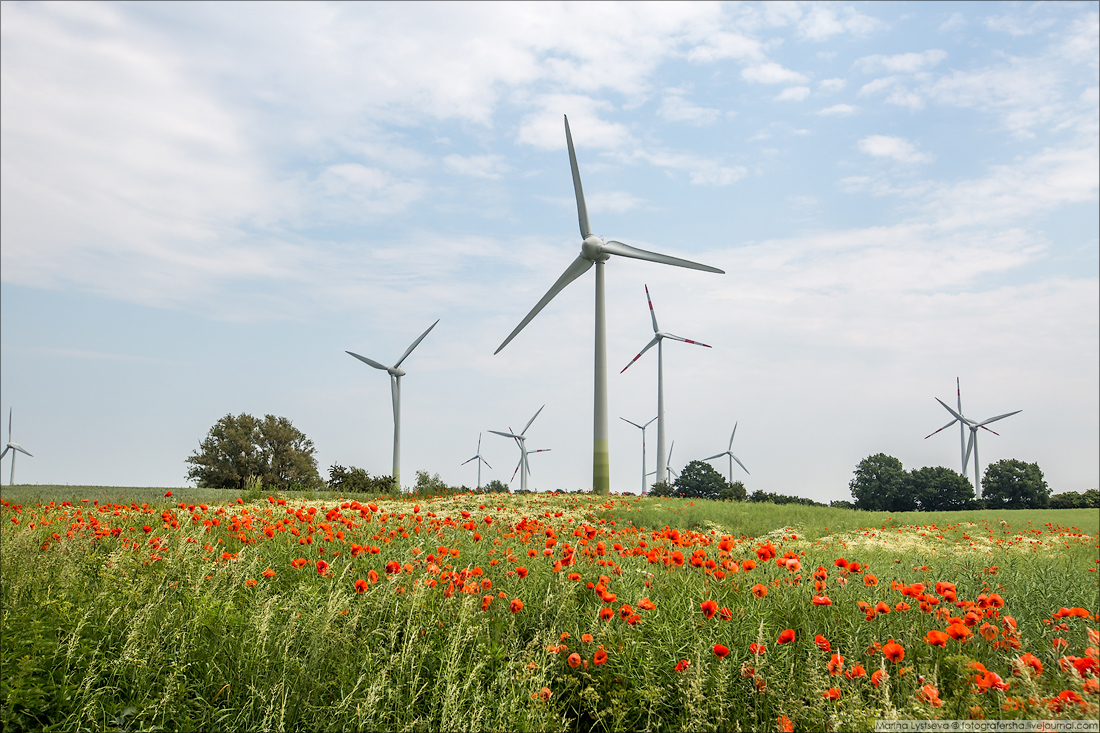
[575, 270]
[983, 427]
[648, 346]
[648, 423]
[517, 470]
[686, 341]
[485, 462]
[957, 415]
[468, 460]
[716, 456]
[970, 445]
[368, 362]
[6, 449]
[995, 419]
[415, 344]
[21, 449]
[479, 443]
[582, 210]
[739, 463]
[531, 421]
[625, 250]
[669, 461]
[652, 313]
[945, 427]
[731, 437]
[633, 423]
[506, 435]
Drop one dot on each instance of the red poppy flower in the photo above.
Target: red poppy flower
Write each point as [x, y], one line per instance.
[836, 664]
[521, 571]
[372, 576]
[322, 567]
[784, 724]
[586, 638]
[709, 607]
[721, 650]
[516, 606]
[167, 493]
[574, 660]
[485, 601]
[361, 586]
[678, 558]
[822, 601]
[785, 637]
[765, 552]
[840, 562]
[894, 652]
[936, 638]
[822, 643]
[725, 614]
[878, 676]
[759, 590]
[606, 614]
[757, 649]
[269, 573]
[600, 657]
[930, 695]
[646, 605]
[748, 565]
[959, 632]
[856, 671]
[682, 665]
[832, 694]
[870, 580]
[1028, 660]
[626, 612]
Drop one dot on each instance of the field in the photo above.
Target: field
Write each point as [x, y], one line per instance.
[125, 609]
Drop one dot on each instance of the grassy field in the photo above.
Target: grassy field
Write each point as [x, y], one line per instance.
[124, 609]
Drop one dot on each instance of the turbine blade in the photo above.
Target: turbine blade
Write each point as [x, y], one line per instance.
[625, 250]
[6, 449]
[395, 395]
[970, 445]
[365, 360]
[485, 462]
[648, 346]
[633, 423]
[21, 449]
[957, 415]
[945, 427]
[731, 436]
[686, 341]
[582, 210]
[506, 435]
[716, 456]
[999, 417]
[575, 270]
[652, 313]
[415, 344]
[983, 427]
[524, 432]
[648, 423]
[516, 471]
[468, 460]
[739, 463]
[669, 461]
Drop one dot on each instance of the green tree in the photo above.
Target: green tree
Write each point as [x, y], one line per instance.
[496, 486]
[427, 484]
[242, 447]
[733, 492]
[354, 480]
[879, 485]
[1013, 484]
[660, 489]
[939, 489]
[699, 480]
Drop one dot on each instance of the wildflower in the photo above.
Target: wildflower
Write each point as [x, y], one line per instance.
[167, 493]
[250, 583]
[574, 576]
[485, 601]
[646, 605]
[600, 657]
[521, 571]
[832, 694]
[936, 638]
[785, 637]
[1028, 660]
[606, 614]
[721, 650]
[765, 552]
[840, 562]
[822, 601]
[516, 606]
[322, 567]
[894, 652]
[930, 695]
[372, 576]
[269, 573]
[748, 565]
[544, 694]
[759, 590]
[959, 632]
[709, 607]
[682, 665]
[878, 676]
[836, 664]
[870, 580]
[784, 724]
[882, 607]
[1059, 643]
[856, 671]
[822, 643]
[989, 631]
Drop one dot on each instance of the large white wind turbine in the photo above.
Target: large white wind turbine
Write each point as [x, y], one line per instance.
[642, 428]
[477, 457]
[395, 372]
[595, 250]
[729, 452]
[962, 426]
[658, 340]
[13, 447]
[972, 444]
[521, 439]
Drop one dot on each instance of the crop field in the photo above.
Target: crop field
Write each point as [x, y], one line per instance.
[126, 609]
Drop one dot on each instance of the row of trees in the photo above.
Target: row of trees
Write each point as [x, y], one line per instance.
[700, 480]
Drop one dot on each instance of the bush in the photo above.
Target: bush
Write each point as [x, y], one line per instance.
[240, 448]
[1072, 500]
[660, 489]
[733, 492]
[766, 496]
[1013, 484]
[433, 485]
[496, 486]
[354, 480]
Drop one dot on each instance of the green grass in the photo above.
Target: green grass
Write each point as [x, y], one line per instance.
[105, 631]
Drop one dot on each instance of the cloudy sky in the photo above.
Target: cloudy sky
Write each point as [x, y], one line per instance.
[205, 205]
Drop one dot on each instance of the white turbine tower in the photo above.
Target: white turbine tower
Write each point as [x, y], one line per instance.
[13, 447]
[658, 340]
[595, 250]
[642, 428]
[479, 459]
[972, 444]
[521, 439]
[729, 452]
[395, 372]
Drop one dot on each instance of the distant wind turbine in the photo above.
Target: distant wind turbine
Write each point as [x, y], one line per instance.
[395, 372]
[658, 340]
[972, 444]
[13, 447]
[479, 459]
[521, 439]
[962, 426]
[595, 250]
[668, 466]
[642, 428]
[729, 452]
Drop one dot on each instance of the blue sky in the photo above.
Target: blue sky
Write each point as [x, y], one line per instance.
[205, 205]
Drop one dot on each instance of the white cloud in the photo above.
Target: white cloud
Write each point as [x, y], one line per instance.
[877, 85]
[957, 20]
[1017, 25]
[902, 63]
[477, 166]
[825, 20]
[838, 110]
[727, 45]
[615, 202]
[831, 86]
[701, 171]
[546, 128]
[793, 94]
[772, 73]
[895, 148]
[675, 108]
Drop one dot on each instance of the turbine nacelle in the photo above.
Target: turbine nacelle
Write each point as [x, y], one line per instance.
[592, 249]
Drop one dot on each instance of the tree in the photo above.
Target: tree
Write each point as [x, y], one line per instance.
[1013, 484]
[699, 480]
[880, 485]
[428, 484]
[660, 489]
[271, 450]
[939, 489]
[496, 486]
[733, 492]
[354, 480]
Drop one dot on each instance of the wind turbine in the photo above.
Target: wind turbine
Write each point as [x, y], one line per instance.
[642, 428]
[668, 466]
[729, 452]
[658, 339]
[479, 459]
[13, 447]
[521, 442]
[595, 250]
[973, 442]
[962, 425]
[395, 372]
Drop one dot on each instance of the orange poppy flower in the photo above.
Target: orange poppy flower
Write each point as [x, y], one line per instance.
[878, 676]
[516, 605]
[759, 590]
[822, 643]
[832, 694]
[586, 638]
[748, 565]
[936, 638]
[894, 652]
[856, 671]
[682, 665]
[269, 573]
[709, 607]
[600, 657]
[840, 562]
[757, 649]
[521, 571]
[322, 567]
[544, 694]
[485, 601]
[836, 664]
[646, 605]
[574, 576]
[372, 576]
[250, 582]
[1028, 660]
[785, 637]
[725, 614]
[298, 562]
[959, 632]
[930, 695]
[822, 601]
[721, 650]
[574, 660]
[870, 580]
[784, 724]
[361, 586]
[606, 614]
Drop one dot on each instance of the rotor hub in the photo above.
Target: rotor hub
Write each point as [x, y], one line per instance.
[592, 249]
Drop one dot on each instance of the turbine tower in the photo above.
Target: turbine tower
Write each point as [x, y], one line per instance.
[729, 452]
[642, 428]
[972, 444]
[658, 339]
[521, 439]
[13, 447]
[595, 250]
[479, 459]
[395, 372]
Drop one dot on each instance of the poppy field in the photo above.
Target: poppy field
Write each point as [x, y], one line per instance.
[537, 612]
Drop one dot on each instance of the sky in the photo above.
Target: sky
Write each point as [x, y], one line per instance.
[206, 205]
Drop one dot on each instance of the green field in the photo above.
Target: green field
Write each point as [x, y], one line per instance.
[128, 610]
